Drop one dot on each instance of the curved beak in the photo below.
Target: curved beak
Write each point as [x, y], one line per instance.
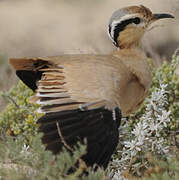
[161, 16]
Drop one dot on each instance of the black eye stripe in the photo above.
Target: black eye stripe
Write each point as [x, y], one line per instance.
[121, 26]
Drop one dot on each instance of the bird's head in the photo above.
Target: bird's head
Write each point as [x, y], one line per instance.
[127, 25]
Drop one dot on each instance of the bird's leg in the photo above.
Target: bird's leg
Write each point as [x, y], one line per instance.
[117, 116]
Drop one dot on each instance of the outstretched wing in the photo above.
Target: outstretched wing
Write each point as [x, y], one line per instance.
[74, 95]
[70, 82]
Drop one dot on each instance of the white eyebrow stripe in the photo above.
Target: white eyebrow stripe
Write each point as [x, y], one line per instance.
[116, 22]
[127, 16]
[109, 34]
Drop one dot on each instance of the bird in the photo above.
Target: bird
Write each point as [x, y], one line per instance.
[84, 96]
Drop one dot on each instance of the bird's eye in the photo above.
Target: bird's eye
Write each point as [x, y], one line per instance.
[136, 20]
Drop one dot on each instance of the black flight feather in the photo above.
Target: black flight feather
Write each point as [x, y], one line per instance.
[97, 126]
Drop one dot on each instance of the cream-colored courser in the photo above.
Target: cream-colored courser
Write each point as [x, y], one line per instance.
[82, 95]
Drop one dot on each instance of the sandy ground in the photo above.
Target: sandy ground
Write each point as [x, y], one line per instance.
[53, 27]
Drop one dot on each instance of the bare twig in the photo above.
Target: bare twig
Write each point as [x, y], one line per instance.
[176, 52]
[11, 99]
[62, 138]
[82, 164]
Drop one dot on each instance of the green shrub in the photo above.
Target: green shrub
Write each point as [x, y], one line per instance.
[154, 129]
[19, 117]
[22, 155]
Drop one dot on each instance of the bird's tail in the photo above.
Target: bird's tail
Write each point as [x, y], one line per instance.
[97, 126]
